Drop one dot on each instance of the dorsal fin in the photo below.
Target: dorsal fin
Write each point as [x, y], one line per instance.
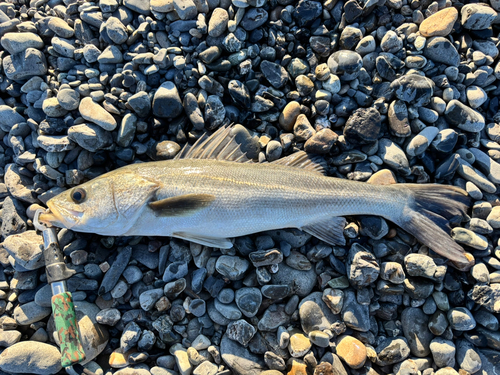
[305, 161]
[221, 145]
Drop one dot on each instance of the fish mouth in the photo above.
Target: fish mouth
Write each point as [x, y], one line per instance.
[60, 216]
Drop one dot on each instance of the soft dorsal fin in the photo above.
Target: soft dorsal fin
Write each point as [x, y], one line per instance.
[305, 161]
[221, 145]
[182, 205]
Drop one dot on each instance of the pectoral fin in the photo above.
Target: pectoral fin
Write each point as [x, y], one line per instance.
[182, 205]
[221, 243]
[330, 230]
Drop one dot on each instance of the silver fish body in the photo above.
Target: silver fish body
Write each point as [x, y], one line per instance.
[251, 198]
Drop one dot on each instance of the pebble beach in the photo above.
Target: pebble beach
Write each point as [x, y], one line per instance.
[385, 91]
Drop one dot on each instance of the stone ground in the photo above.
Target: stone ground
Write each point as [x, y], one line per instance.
[387, 91]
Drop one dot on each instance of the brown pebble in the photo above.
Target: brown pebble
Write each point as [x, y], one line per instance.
[118, 359]
[440, 23]
[321, 142]
[383, 177]
[324, 368]
[298, 367]
[289, 115]
[351, 351]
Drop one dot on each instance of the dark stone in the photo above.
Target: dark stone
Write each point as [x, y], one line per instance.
[307, 11]
[414, 89]
[111, 277]
[253, 18]
[363, 126]
[352, 10]
[274, 73]
[441, 50]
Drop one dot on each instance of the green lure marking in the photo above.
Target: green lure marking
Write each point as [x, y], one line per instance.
[67, 329]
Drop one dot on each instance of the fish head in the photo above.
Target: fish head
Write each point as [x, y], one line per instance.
[88, 207]
[107, 205]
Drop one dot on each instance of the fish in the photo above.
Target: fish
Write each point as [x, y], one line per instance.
[211, 192]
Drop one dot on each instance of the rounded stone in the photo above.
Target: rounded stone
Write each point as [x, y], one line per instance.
[461, 319]
[351, 351]
[232, 267]
[345, 62]
[166, 101]
[299, 344]
[441, 50]
[31, 357]
[440, 23]
[68, 99]
[93, 112]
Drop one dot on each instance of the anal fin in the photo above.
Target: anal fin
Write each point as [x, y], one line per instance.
[182, 205]
[221, 243]
[330, 230]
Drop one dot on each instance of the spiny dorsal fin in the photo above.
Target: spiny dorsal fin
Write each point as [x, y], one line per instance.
[305, 161]
[221, 145]
[182, 205]
[330, 230]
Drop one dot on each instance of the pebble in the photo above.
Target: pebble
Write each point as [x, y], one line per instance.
[239, 359]
[464, 117]
[461, 319]
[274, 73]
[299, 344]
[440, 23]
[351, 351]
[355, 315]
[31, 357]
[26, 248]
[477, 17]
[363, 126]
[391, 351]
[20, 42]
[93, 112]
[166, 101]
[415, 328]
[24, 65]
[441, 50]
[443, 352]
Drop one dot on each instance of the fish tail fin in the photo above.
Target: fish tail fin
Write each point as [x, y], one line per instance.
[427, 214]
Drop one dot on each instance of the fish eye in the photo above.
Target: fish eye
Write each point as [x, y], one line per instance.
[78, 195]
